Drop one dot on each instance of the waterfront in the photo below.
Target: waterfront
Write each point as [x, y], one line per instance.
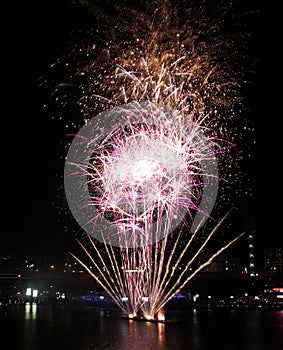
[84, 327]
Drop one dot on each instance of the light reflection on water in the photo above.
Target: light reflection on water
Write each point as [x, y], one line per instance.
[46, 327]
[30, 311]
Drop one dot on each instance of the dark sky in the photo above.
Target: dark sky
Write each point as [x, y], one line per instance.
[32, 141]
[34, 36]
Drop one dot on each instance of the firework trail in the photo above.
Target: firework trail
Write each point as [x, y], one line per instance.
[154, 90]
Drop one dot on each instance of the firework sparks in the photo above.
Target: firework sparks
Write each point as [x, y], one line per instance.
[147, 164]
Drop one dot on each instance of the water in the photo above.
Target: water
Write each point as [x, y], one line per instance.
[34, 327]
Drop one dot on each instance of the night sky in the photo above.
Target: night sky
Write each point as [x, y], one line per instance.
[32, 165]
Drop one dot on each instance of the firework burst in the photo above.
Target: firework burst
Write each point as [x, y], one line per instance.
[146, 165]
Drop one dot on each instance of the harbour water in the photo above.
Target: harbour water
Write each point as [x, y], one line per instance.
[83, 327]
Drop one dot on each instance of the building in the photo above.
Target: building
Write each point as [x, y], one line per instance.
[273, 266]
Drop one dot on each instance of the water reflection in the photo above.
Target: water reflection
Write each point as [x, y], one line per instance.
[28, 335]
[57, 327]
[160, 333]
[30, 311]
[278, 329]
[141, 333]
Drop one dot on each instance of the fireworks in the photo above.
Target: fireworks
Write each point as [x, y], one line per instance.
[146, 165]
[140, 182]
[153, 169]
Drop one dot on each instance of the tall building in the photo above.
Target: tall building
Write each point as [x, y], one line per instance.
[251, 256]
[273, 263]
